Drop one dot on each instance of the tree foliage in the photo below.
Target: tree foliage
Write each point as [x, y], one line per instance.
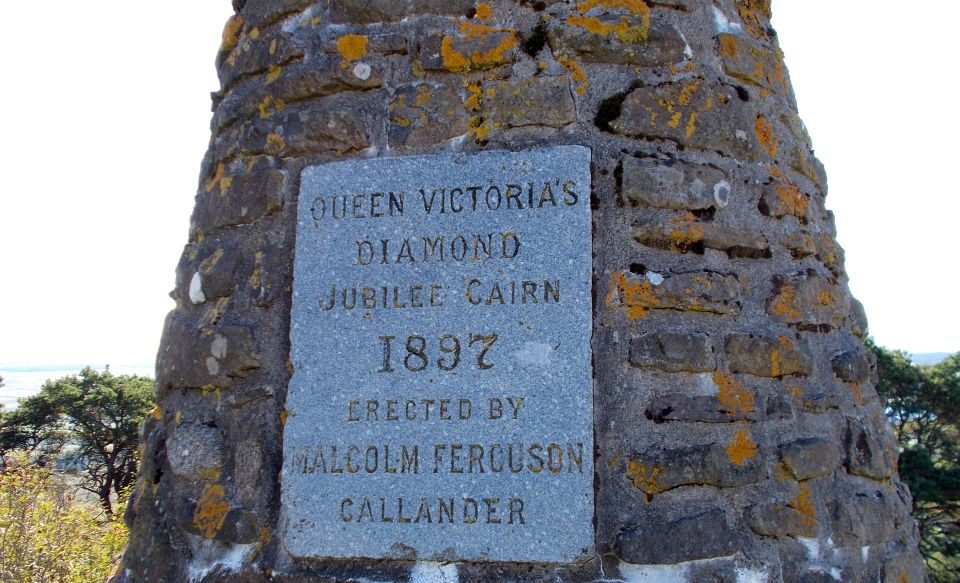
[923, 404]
[90, 421]
[46, 535]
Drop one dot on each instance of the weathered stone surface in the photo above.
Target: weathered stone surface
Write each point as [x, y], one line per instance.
[262, 12]
[204, 356]
[702, 535]
[672, 352]
[854, 366]
[858, 319]
[370, 11]
[702, 409]
[693, 113]
[476, 48]
[426, 113]
[615, 38]
[695, 292]
[510, 104]
[674, 185]
[767, 356]
[195, 451]
[864, 517]
[808, 301]
[320, 130]
[865, 455]
[254, 56]
[684, 237]
[707, 465]
[782, 197]
[810, 457]
[238, 199]
[749, 61]
[781, 519]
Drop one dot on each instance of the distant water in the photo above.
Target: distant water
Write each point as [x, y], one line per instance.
[929, 357]
[23, 381]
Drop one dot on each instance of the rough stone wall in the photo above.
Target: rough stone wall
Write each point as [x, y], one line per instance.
[739, 435]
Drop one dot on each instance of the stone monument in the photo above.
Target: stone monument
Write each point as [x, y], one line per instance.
[513, 291]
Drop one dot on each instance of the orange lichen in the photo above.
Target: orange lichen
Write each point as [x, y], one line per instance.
[231, 33]
[753, 13]
[423, 96]
[352, 47]
[803, 506]
[742, 448]
[215, 179]
[857, 391]
[782, 473]
[682, 237]
[273, 47]
[728, 45]
[459, 62]
[786, 303]
[275, 144]
[484, 12]
[576, 73]
[635, 297]
[764, 131]
[796, 392]
[270, 106]
[211, 510]
[643, 477]
[476, 96]
[156, 413]
[283, 417]
[732, 396]
[273, 73]
[622, 29]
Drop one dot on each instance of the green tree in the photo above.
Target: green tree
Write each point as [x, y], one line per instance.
[923, 404]
[92, 419]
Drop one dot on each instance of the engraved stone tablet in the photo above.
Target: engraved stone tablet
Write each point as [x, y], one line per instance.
[441, 405]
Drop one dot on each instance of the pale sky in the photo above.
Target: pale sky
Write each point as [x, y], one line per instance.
[106, 111]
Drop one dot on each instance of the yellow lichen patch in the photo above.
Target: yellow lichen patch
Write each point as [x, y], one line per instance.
[643, 477]
[803, 506]
[484, 12]
[256, 276]
[231, 33]
[786, 303]
[453, 60]
[423, 96]
[902, 577]
[857, 391]
[352, 47]
[682, 237]
[156, 413]
[795, 392]
[265, 537]
[476, 96]
[211, 510]
[273, 47]
[479, 128]
[792, 201]
[742, 448]
[458, 62]
[283, 417]
[215, 179]
[270, 106]
[576, 73]
[764, 131]
[728, 45]
[416, 67]
[210, 474]
[781, 473]
[731, 394]
[635, 297]
[753, 13]
[273, 73]
[275, 144]
[622, 29]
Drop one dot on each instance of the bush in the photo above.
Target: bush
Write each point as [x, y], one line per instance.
[47, 535]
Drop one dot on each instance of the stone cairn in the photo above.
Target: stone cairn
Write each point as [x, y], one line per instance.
[738, 433]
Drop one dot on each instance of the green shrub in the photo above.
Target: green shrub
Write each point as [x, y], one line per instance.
[47, 535]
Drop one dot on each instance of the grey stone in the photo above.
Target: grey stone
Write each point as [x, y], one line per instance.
[439, 340]
[710, 292]
[660, 43]
[519, 103]
[767, 356]
[779, 520]
[324, 129]
[863, 518]
[673, 352]
[195, 356]
[854, 366]
[425, 113]
[810, 457]
[246, 198]
[195, 451]
[865, 456]
[752, 62]
[688, 236]
[707, 465]
[696, 536]
[702, 409]
[674, 185]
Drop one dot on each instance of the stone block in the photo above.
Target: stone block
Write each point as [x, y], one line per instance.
[673, 352]
[674, 185]
[194, 356]
[253, 56]
[767, 356]
[750, 61]
[808, 301]
[702, 409]
[539, 100]
[310, 132]
[699, 535]
[425, 113]
[695, 292]
[624, 40]
[684, 237]
[246, 198]
[864, 517]
[810, 457]
[476, 48]
[195, 451]
[261, 12]
[865, 455]
[371, 11]
[781, 519]
[703, 465]
[694, 113]
[854, 366]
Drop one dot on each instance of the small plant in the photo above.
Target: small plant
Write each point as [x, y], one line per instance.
[46, 534]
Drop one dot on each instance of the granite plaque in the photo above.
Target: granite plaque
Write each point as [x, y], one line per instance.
[441, 405]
